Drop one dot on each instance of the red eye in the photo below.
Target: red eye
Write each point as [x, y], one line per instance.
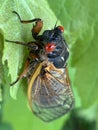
[61, 28]
[50, 47]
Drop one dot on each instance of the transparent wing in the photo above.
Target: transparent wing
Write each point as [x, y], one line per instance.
[51, 95]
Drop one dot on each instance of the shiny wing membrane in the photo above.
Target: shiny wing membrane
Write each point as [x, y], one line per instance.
[51, 95]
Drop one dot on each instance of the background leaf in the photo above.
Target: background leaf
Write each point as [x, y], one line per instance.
[80, 20]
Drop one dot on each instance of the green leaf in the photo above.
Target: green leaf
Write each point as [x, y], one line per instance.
[80, 19]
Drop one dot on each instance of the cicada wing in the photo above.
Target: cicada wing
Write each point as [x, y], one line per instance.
[51, 96]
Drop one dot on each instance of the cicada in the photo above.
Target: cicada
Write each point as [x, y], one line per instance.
[49, 91]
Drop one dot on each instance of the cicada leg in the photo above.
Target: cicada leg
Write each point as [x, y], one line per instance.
[33, 45]
[36, 28]
[27, 67]
[23, 74]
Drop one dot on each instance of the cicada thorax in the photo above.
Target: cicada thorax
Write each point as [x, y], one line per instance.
[60, 59]
[60, 52]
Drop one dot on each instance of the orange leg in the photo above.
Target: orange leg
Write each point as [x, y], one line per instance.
[36, 28]
[24, 73]
[26, 69]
